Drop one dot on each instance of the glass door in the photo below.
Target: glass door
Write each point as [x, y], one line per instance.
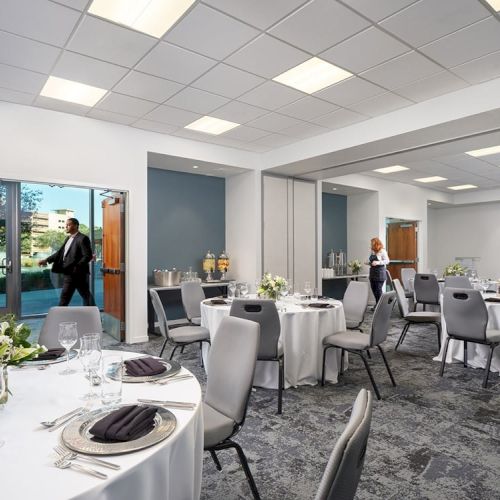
[9, 240]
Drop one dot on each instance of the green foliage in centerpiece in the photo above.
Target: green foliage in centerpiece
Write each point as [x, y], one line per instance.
[455, 270]
[14, 345]
[271, 287]
[355, 266]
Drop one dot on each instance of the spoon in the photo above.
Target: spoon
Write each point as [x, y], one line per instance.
[52, 423]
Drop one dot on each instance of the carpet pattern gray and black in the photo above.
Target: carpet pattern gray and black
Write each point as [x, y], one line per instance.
[431, 437]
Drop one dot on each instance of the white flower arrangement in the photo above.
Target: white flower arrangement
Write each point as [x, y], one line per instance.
[355, 266]
[271, 287]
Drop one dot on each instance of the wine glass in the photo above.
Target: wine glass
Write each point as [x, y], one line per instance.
[484, 284]
[90, 357]
[231, 289]
[68, 335]
[243, 290]
[307, 288]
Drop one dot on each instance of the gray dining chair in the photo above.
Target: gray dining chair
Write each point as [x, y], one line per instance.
[232, 361]
[457, 282]
[466, 317]
[388, 280]
[343, 471]
[264, 312]
[413, 318]
[426, 290]
[357, 342]
[87, 318]
[355, 303]
[192, 295]
[407, 274]
[181, 336]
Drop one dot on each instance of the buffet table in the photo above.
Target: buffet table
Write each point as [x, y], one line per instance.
[302, 332]
[171, 469]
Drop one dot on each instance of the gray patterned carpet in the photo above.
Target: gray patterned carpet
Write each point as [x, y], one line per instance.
[431, 437]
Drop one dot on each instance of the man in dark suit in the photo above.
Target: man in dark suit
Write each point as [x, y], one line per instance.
[72, 260]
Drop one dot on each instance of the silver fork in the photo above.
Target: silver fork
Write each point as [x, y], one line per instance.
[66, 464]
[71, 455]
[172, 379]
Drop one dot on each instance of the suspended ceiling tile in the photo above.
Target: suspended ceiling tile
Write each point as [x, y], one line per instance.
[74, 4]
[227, 81]
[108, 116]
[265, 56]
[271, 95]
[14, 96]
[427, 20]
[246, 134]
[147, 87]
[208, 32]
[88, 70]
[365, 50]
[401, 71]
[28, 54]
[307, 108]
[303, 130]
[40, 20]
[259, 13]
[174, 63]
[379, 9]
[350, 91]
[432, 86]
[319, 25]
[274, 122]
[338, 119]
[126, 105]
[469, 43]
[239, 112]
[273, 140]
[161, 128]
[172, 116]
[479, 70]
[63, 106]
[110, 42]
[21, 80]
[256, 148]
[381, 104]
[435, 168]
[197, 101]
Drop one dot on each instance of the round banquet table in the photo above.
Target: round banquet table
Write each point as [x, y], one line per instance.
[171, 469]
[477, 354]
[302, 332]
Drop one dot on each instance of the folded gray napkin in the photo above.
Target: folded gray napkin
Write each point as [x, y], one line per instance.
[143, 367]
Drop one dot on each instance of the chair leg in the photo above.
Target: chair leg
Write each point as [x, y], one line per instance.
[342, 353]
[443, 361]
[182, 349]
[281, 383]
[246, 468]
[369, 354]
[465, 354]
[173, 351]
[216, 460]
[402, 336]
[324, 363]
[375, 388]
[438, 326]
[488, 364]
[387, 365]
[201, 353]
[163, 347]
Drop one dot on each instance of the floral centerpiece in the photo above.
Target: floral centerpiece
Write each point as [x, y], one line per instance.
[14, 348]
[271, 287]
[455, 270]
[355, 266]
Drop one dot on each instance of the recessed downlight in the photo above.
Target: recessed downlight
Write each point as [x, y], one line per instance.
[196, 166]
[391, 170]
[70, 91]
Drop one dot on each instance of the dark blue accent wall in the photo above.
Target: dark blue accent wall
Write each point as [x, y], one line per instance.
[186, 217]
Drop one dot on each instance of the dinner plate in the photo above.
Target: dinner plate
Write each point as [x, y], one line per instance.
[77, 437]
[60, 359]
[172, 368]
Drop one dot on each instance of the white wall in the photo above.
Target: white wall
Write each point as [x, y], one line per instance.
[471, 231]
[46, 146]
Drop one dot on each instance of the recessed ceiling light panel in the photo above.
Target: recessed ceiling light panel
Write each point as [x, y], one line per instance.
[391, 170]
[462, 186]
[70, 91]
[495, 4]
[312, 75]
[210, 125]
[485, 151]
[435, 178]
[154, 17]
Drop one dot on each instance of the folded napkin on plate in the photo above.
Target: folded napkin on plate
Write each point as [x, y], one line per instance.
[321, 305]
[127, 423]
[143, 367]
[218, 302]
[492, 299]
[50, 354]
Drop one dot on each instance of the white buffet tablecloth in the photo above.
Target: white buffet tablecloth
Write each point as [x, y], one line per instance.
[477, 354]
[171, 469]
[302, 333]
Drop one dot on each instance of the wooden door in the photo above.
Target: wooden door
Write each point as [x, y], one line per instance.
[113, 265]
[401, 247]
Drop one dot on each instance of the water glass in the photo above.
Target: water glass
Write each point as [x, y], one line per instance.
[112, 375]
[243, 290]
[314, 295]
[68, 335]
[231, 289]
[307, 288]
[90, 356]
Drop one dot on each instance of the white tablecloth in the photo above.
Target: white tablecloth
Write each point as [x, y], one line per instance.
[171, 469]
[477, 354]
[302, 334]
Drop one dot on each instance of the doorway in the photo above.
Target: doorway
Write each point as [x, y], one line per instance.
[402, 245]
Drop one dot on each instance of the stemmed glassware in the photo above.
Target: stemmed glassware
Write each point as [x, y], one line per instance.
[231, 289]
[68, 335]
[307, 288]
[90, 357]
[484, 284]
[243, 290]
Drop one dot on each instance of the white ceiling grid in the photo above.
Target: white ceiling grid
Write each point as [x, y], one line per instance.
[220, 58]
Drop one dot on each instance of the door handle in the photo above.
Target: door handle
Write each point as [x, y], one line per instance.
[6, 266]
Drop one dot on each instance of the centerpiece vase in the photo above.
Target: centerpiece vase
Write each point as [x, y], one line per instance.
[4, 384]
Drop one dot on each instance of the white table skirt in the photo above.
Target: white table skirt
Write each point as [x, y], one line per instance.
[302, 334]
[477, 354]
[171, 469]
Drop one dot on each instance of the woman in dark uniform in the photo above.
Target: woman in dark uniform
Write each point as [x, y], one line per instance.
[377, 261]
